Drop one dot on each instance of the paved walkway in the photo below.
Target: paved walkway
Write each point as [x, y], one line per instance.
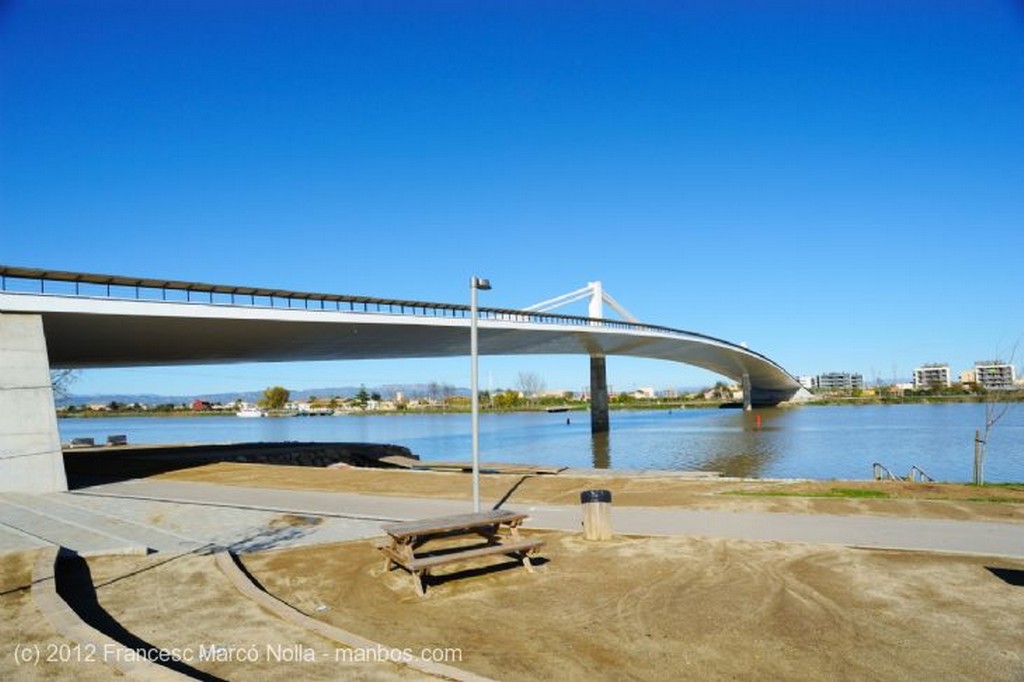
[361, 515]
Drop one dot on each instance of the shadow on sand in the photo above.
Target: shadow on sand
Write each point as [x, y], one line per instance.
[75, 586]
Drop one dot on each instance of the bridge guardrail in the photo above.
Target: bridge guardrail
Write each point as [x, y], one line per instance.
[19, 280]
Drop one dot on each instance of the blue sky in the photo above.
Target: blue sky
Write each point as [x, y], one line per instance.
[837, 184]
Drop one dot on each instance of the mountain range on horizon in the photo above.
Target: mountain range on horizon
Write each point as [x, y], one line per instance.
[387, 391]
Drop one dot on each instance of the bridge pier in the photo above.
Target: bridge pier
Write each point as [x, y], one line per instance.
[748, 393]
[30, 456]
[598, 395]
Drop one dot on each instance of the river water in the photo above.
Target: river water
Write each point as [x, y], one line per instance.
[803, 442]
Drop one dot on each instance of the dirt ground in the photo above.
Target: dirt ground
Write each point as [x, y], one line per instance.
[923, 500]
[680, 609]
[24, 631]
[182, 604]
[632, 608]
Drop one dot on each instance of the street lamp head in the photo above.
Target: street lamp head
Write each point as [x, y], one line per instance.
[481, 284]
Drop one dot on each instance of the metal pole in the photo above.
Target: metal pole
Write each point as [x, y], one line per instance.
[474, 397]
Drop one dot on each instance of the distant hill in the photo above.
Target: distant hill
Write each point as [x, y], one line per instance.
[387, 391]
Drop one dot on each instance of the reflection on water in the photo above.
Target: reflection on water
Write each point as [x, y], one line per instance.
[749, 448]
[601, 446]
[806, 442]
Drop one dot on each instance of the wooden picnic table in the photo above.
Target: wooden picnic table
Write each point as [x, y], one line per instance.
[497, 529]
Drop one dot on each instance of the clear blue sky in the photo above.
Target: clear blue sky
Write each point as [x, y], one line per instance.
[840, 185]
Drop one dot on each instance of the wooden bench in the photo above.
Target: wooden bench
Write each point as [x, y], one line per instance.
[498, 529]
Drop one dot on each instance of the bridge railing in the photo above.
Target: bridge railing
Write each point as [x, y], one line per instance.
[61, 283]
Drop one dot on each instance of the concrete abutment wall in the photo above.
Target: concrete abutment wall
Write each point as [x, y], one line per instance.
[30, 454]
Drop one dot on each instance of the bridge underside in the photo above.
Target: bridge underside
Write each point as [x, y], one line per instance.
[87, 333]
[86, 340]
[76, 340]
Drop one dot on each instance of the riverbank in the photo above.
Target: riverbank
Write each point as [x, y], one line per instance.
[631, 405]
[841, 442]
[877, 498]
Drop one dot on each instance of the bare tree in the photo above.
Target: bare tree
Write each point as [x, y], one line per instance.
[61, 380]
[447, 393]
[433, 391]
[530, 384]
[996, 407]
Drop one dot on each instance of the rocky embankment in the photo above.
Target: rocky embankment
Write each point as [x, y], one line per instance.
[142, 460]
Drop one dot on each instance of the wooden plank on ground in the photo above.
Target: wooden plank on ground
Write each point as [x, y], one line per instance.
[400, 461]
[485, 467]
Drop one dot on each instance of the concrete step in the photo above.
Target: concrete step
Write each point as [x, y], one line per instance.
[63, 507]
[76, 537]
[13, 540]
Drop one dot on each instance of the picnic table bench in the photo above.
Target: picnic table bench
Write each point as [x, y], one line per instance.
[497, 529]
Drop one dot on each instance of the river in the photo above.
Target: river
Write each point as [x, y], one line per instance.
[804, 442]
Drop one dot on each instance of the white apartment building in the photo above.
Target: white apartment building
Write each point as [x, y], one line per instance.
[931, 376]
[994, 375]
[839, 381]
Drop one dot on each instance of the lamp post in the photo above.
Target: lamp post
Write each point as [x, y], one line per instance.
[475, 284]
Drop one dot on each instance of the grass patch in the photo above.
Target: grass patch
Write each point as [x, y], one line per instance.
[853, 493]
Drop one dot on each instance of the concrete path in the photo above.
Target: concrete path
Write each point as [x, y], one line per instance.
[366, 512]
[21, 516]
[63, 509]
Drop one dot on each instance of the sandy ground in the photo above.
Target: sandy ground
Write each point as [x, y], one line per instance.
[633, 608]
[182, 603]
[923, 500]
[187, 603]
[681, 608]
[24, 628]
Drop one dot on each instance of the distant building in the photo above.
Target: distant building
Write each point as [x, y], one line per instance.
[806, 381]
[839, 381]
[994, 375]
[933, 375]
[968, 376]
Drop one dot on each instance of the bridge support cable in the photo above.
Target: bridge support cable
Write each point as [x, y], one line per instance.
[594, 291]
[598, 395]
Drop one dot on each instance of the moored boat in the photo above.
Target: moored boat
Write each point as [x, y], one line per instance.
[250, 412]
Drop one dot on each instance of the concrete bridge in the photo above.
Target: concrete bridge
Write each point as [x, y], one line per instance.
[51, 319]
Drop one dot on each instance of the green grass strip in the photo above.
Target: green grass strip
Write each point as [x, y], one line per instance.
[853, 493]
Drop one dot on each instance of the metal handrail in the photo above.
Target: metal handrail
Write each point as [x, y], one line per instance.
[63, 283]
[917, 474]
[880, 469]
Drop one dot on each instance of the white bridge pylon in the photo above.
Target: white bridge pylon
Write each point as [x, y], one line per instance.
[598, 297]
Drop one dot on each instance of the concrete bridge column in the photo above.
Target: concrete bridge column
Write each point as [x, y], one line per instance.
[30, 454]
[598, 395]
[748, 397]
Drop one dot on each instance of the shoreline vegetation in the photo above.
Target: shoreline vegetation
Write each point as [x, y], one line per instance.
[457, 407]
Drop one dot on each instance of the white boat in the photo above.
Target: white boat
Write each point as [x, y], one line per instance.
[250, 412]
